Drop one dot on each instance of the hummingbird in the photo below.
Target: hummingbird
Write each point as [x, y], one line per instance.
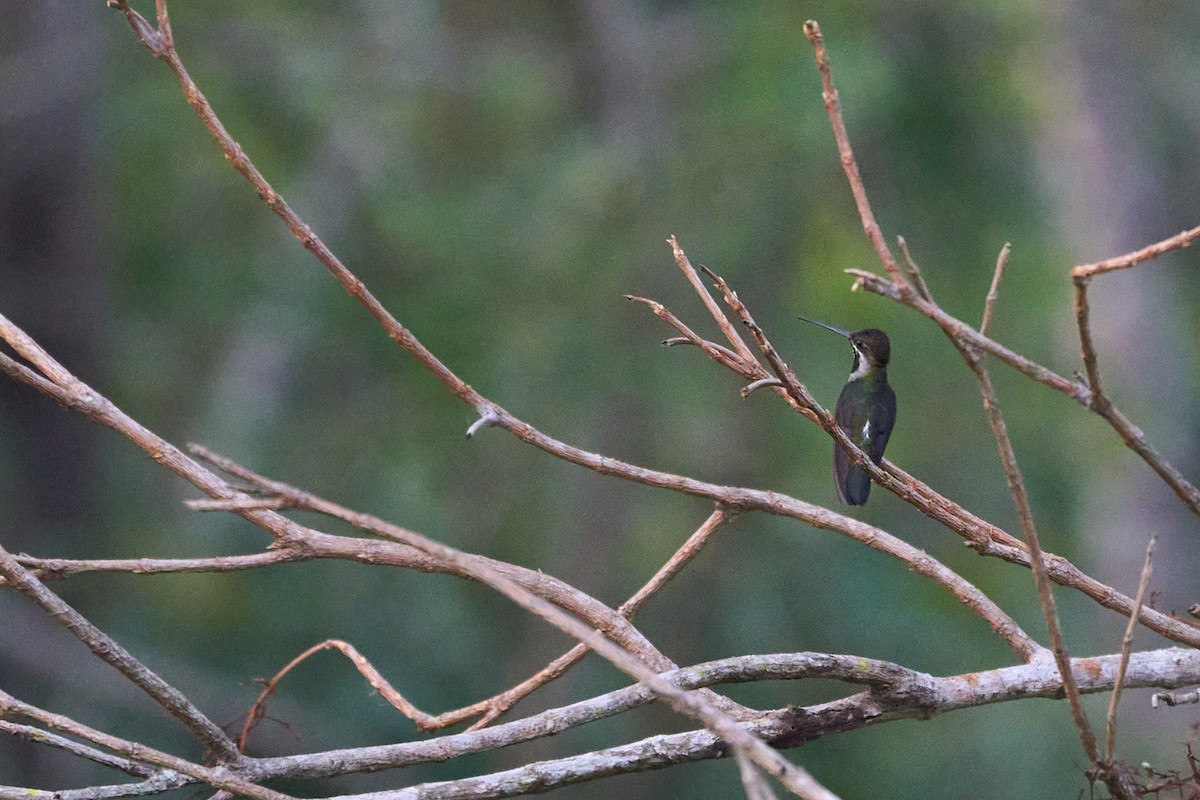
[866, 409]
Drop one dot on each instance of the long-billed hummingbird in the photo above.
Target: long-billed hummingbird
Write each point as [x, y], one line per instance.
[866, 409]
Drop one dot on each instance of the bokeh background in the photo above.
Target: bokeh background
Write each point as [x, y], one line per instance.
[500, 175]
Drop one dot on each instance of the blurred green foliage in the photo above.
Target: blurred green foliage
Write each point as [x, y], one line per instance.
[500, 175]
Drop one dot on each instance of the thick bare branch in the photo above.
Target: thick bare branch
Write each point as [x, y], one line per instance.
[895, 693]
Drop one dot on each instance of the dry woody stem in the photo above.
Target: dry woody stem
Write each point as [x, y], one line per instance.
[877, 691]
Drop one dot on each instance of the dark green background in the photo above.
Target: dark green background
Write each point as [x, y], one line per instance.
[500, 175]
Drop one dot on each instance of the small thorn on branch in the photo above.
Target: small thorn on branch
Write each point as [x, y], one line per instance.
[486, 420]
[654, 304]
[758, 384]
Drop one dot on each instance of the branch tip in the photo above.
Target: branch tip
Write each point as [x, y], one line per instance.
[486, 420]
[758, 384]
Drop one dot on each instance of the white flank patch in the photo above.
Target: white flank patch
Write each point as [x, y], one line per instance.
[867, 430]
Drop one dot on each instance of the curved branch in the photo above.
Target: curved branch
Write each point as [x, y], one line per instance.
[894, 693]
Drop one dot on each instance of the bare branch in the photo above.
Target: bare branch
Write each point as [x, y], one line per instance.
[40, 736]
[994, 291]
[1176, 242]
[895, 693]
[758, 384]
[1016, 486]
[486, 419]
[221, 777]
[111, 652]
[914, 272]
[833, 108]
[753, 782]
[713, 350]
[365, 668]
[498, 705]
[1126, 647]
[1175, 698]
[1081, 277]
[460, 388]
[236, 504]
[163, 781]
[47, 569]
[961, 331]
[731, 334]
[1130, 434]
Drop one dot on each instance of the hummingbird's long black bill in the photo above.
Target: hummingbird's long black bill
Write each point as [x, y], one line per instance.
[838, 331]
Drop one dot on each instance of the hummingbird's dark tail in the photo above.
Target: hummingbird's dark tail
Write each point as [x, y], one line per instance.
[853, 485]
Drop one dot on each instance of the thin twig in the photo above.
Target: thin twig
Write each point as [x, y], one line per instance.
[52, 569]
[833, 108]
[365, 668]
[1126, 647]
[222, 777]
[1097, 401]
[1016, 487]
[1133, 437]
[713, 350]
[689, 272]
[487, 419]
[40, 736]
[1176, 242]
[1041, 578]
[753, 782]
[914, 272]
[994, 291]
[791, 385]
[236, 504]
[115, 655]
[758, 384]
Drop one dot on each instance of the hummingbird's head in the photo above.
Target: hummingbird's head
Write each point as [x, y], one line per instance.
[872, 349]
[871, 345]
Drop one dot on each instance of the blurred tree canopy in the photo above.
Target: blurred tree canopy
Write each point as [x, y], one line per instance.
[500, 175]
